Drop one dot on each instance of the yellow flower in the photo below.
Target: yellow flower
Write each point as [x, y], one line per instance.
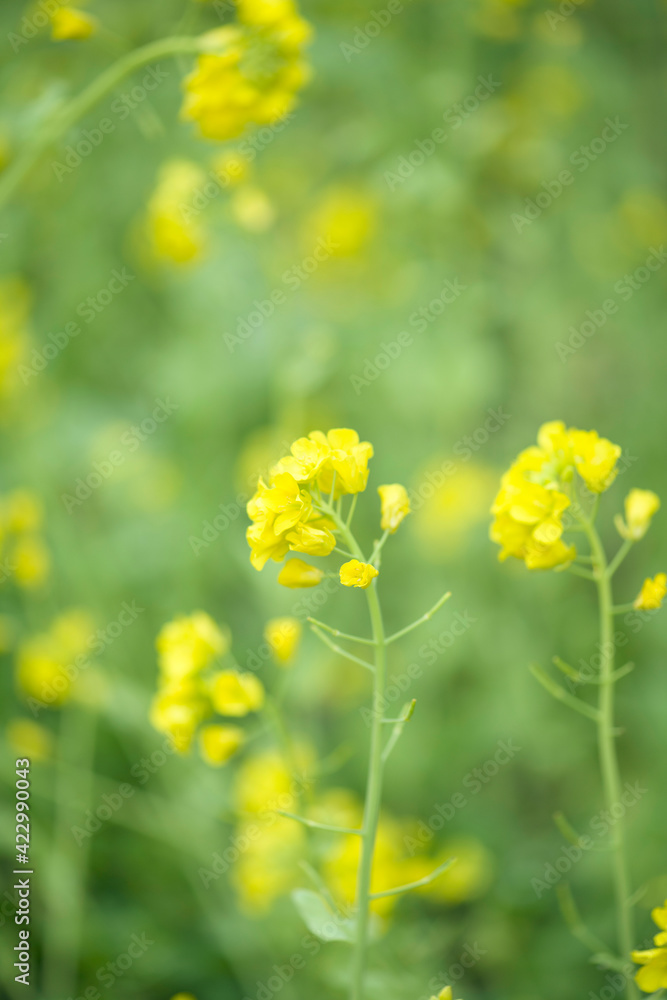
[29, 739]
[395, 506]
[269, 867]
[177, 710]
[357, 574]
[468, 878]
[231, 168]
[236, 694]
[347, 467]
[184, 996]
[253, 74]
[284, 520]
[31, 561]
[444, 994]
[595, 459]
[24, 512]
[297, 573]
[347, 217]
[172, 234]
[188, 644]
[640, 506]
[47, 664]
[652, 594]
[653, 975]
[219, 743]
[283, 635]
[70, 23]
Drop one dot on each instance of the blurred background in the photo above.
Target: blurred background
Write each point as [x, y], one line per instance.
[483, 182]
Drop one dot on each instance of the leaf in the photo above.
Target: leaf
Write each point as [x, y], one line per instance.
[320, 919]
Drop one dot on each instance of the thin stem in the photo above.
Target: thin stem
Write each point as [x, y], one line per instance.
[426, 880]
[607, 748]
[378, 548]
[353, 507]
[622, 609]
[71, 112]
[341, 652]
[318, 826]
[373, 796]
[420, 621]
[619, 557]
[341, 635]
[578, 571]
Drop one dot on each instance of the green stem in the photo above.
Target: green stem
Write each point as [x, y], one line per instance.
[607, 750]
[71, 112]
[65, 874]
[373, 796]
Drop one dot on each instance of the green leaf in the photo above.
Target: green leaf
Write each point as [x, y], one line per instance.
[320, 919]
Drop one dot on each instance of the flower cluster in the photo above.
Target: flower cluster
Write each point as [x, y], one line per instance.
[24, 553]
[48, 663]
[653, 974]
[285, 512]
[190, 693]
[256, 73]
[537, 490]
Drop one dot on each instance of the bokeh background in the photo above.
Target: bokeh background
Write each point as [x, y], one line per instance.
[468, 387]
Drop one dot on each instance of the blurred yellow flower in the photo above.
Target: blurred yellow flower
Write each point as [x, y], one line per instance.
[31, 561]
[468, 878]
[177, 710]
[188, 644]
[236, 694]
[449, 500]
[23, 511]
[70, 23]
[640, 506]
[297, 573]
[29, 739]
[395, 504]
[347, 219]
[231, 167]
[283, 636]
[357, 574]
[269, 867]
[48, 663]
[219, 743]
[14, 336]
[253, 72]
[652, 594]
[175, 234]
[252, 209]
[595, 459]
[653, 975]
